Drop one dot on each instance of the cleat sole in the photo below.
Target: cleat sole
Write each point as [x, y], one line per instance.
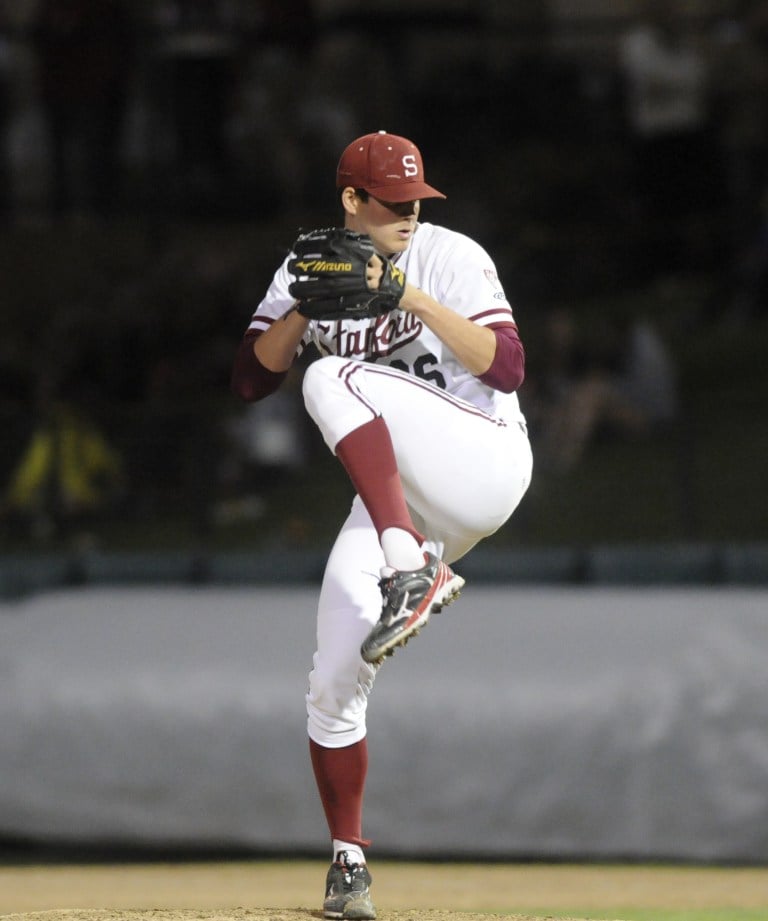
[435, 608]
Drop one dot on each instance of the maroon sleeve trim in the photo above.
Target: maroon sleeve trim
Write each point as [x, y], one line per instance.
[251, 381]
[496, 311]
[507, 370]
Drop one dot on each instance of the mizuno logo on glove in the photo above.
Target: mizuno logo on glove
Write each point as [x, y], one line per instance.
[330, 269]
[320, 265]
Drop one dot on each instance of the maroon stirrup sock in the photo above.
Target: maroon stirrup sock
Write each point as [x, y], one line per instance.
[369, 459]
[340, 776]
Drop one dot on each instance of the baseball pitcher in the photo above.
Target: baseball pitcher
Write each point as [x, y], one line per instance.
[414, 391]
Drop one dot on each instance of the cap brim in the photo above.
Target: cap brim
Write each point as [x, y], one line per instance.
[406, 191]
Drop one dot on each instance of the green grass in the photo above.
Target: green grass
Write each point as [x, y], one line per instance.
[660, 914]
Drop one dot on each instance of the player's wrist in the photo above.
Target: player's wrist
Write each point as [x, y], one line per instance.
[295, 317]
[416, 301]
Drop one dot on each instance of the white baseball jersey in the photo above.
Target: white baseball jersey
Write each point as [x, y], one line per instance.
[454, 270]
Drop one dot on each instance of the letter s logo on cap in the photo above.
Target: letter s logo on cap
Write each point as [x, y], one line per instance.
[409, 165]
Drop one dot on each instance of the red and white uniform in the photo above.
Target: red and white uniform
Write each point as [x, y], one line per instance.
[461, 447]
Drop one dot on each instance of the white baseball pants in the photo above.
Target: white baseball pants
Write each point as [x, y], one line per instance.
[463, 473]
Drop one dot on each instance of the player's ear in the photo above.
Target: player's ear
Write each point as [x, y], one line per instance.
[349, 200]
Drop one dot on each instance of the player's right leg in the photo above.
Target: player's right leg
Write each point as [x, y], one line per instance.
[339, 685]
[347, 890]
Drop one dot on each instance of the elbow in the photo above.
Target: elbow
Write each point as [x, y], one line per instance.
[243, 380]
[507, 370]
[507, 384]
[515, 375]
[512, 382]
[243, 389]
[250, 380]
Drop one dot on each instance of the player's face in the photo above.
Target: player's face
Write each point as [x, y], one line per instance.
[390, 225]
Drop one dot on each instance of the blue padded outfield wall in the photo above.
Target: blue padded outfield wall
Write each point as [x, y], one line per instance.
[543, 720]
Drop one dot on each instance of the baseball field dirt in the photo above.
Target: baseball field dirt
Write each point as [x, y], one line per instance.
[291, 891]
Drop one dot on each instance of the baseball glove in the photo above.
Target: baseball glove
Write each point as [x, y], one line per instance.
[330, 269]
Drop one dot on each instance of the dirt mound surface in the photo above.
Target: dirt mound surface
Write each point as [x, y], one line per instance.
[254, 914]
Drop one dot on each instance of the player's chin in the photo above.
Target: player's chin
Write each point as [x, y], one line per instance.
[397, 242]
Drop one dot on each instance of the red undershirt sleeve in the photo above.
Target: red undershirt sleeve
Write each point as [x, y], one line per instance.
[507, 370]
[251, 381]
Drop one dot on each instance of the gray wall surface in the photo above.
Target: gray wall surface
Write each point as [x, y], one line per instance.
[526, 721]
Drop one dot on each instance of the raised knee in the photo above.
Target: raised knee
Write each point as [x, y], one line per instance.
[321, 369]
[316, 376]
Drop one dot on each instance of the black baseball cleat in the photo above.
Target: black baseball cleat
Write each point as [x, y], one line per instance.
[347, 893]
[409, 599]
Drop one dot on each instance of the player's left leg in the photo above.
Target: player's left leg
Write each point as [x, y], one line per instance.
[354, 430]
[414, 583]
[461, 471]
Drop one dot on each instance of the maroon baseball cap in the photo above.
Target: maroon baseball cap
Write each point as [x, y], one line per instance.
[385, 165]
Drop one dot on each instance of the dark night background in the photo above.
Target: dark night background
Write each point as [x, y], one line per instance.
[159, 158]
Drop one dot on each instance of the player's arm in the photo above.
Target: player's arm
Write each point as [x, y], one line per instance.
[271, 344]
[276, 347]
[265, 355]
[495, 355]
[473, 345]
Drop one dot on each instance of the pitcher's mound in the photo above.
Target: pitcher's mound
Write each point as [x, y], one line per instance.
[256, 914]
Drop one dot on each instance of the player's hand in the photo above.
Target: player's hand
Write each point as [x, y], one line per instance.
[374, 271]
[339, 275]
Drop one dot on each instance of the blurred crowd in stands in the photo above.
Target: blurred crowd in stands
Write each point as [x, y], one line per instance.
[587, 158]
